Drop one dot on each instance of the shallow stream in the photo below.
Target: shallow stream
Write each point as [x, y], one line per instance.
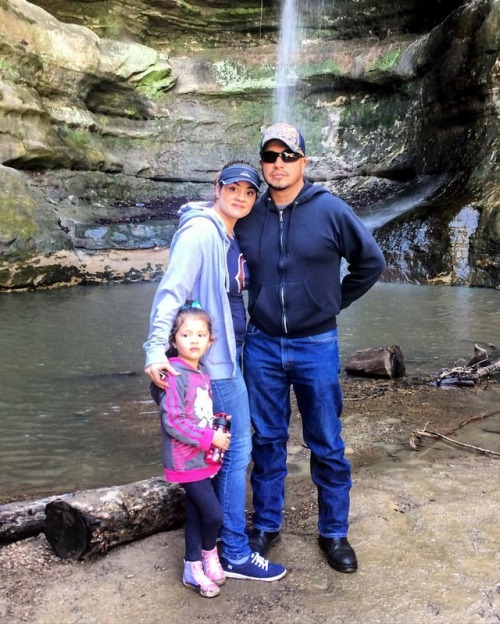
[75, 410]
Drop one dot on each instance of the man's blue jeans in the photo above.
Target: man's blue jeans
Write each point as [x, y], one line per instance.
[311, 366]
[230, 395]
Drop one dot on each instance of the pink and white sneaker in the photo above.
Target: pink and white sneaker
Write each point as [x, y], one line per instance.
[212, 566]
[195, 578]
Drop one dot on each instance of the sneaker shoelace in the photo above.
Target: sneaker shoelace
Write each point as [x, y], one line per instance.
[212, 565]
[199, 576]
[259, 560]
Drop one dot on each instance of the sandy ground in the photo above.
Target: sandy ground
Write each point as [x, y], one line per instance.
[425, 525]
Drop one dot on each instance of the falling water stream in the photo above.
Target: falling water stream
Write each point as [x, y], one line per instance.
[297, 19]
[286, 74]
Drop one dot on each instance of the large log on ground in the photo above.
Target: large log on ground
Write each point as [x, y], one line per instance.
[385, 362]
[23, 519]
[93, 521]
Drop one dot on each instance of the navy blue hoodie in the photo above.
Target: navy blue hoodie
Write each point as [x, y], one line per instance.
[295, 262]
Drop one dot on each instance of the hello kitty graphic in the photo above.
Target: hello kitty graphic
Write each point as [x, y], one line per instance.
[202, 406]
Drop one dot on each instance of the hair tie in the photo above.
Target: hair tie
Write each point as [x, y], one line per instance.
[190, 304]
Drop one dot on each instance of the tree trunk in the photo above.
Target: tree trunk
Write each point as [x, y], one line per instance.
[93, 521]
[23, 519]
[385, 362]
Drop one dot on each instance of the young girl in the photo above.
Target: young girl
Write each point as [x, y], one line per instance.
[186, 417]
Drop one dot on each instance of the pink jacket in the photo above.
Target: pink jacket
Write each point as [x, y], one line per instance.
[186, 413]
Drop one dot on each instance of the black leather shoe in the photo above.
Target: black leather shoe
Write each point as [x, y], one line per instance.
[261, 541]
[339, 553]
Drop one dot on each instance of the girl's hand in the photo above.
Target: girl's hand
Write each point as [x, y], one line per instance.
[221, 440]
[158, 373]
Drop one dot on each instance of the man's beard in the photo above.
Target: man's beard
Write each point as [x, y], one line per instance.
[283, 186]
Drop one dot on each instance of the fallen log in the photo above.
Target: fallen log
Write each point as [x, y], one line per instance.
[385, 362]
[93, 521]
[23, 519]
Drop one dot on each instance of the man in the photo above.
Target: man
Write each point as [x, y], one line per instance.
[294, 241]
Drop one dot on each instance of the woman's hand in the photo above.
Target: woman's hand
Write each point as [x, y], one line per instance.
[158, 373]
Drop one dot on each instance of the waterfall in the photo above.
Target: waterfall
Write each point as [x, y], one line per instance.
[462, 228]
[296, 18]
[286, 74]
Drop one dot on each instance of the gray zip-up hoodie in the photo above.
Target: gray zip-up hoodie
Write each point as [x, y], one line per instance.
[197, 269]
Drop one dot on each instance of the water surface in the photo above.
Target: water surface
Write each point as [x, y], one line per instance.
[75, 410]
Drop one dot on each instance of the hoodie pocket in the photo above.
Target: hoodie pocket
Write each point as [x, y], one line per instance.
[266, 309]
[301, 307]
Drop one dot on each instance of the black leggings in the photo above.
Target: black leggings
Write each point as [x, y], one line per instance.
[203, 518]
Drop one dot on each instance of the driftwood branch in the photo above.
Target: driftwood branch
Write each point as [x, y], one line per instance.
[425, 433]
[485, 362]
[487, 370]
[471, 420]
[421, 433]
[468, 373]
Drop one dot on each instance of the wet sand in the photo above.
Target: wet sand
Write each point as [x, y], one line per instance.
[425, 525]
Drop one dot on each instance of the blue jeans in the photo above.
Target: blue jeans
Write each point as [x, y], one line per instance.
[230, 395]
[311, 366]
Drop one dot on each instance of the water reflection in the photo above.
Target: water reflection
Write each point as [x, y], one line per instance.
[75, 409]
[74, 404]
[434, 326]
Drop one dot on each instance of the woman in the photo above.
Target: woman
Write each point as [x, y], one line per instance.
[206, 265]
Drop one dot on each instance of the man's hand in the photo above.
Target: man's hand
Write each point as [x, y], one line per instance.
[158, 373]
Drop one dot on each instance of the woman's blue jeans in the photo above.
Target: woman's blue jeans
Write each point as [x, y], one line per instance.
[310, 365]
[230, 395]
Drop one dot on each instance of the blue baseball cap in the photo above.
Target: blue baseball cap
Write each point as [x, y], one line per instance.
[240, 173]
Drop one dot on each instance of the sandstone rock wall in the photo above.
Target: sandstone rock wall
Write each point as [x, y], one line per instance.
[107, 108]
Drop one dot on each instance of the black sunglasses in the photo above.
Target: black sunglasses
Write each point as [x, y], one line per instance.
[286, 157]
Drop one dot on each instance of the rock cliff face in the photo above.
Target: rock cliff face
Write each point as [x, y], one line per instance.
[113, 112]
